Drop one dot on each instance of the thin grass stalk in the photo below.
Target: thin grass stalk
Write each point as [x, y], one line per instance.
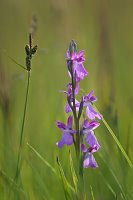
[22, 131]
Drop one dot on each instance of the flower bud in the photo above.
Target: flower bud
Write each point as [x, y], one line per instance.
[72, 47]
[80, 108]
[69, 65]
[28, 63]
[33, 50]
[27, 50]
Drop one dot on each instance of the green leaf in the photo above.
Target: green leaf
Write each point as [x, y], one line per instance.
[43, 160]
[9, 182]
[74, 177]
[65, 183]
[13, 60]
[117, 141]
[50, 166]
[92, 194]
[17, 63]
[108, 185]
[115, 177]
[42, 188]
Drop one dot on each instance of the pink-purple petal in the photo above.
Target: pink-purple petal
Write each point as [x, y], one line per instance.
[69, 121]
[89, 161]
[86, 123]
[77, 89]
[83, 148]
[81, 54]
[92, 141]
[90, 125]
[67, 139]
[92, 113]
[68, 54]
[72, 131]
[93, 99]
[61, 125]
[90, 96]
[81, 71]
[74, 56]
[93, 125]
[68, 109]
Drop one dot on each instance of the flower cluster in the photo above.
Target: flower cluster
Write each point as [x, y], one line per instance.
[82, 135]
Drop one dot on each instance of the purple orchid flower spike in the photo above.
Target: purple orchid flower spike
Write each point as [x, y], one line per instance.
[78, 67]
[77, 72]
[90, 111]
[89, 160]
[67, 137]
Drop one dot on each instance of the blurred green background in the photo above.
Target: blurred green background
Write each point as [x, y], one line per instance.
[105, 30]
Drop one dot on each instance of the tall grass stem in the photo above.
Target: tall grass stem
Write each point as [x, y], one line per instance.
[22, 131]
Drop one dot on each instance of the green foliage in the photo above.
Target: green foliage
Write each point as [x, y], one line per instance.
[65, 184]
[117, 142]
[44, 161]
[73, 173]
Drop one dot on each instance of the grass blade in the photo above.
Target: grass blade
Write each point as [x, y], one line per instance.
[13, 60]
[9, 182]
[48, 165]
[74, 177]
[43, 160]
[17, 63]
[114, 176]
[66, 185]
[108, 185]
[42, 188]
[92, 194]
[117, 141]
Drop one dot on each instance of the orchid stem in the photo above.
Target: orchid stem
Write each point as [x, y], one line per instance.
[77, 139]
[76, 120]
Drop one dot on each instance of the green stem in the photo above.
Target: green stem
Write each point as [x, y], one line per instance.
[22, 131]
[77, 142]
[76, 120]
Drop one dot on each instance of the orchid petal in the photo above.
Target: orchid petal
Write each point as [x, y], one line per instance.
[89, 161]
[66, 139]
[92, 141]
